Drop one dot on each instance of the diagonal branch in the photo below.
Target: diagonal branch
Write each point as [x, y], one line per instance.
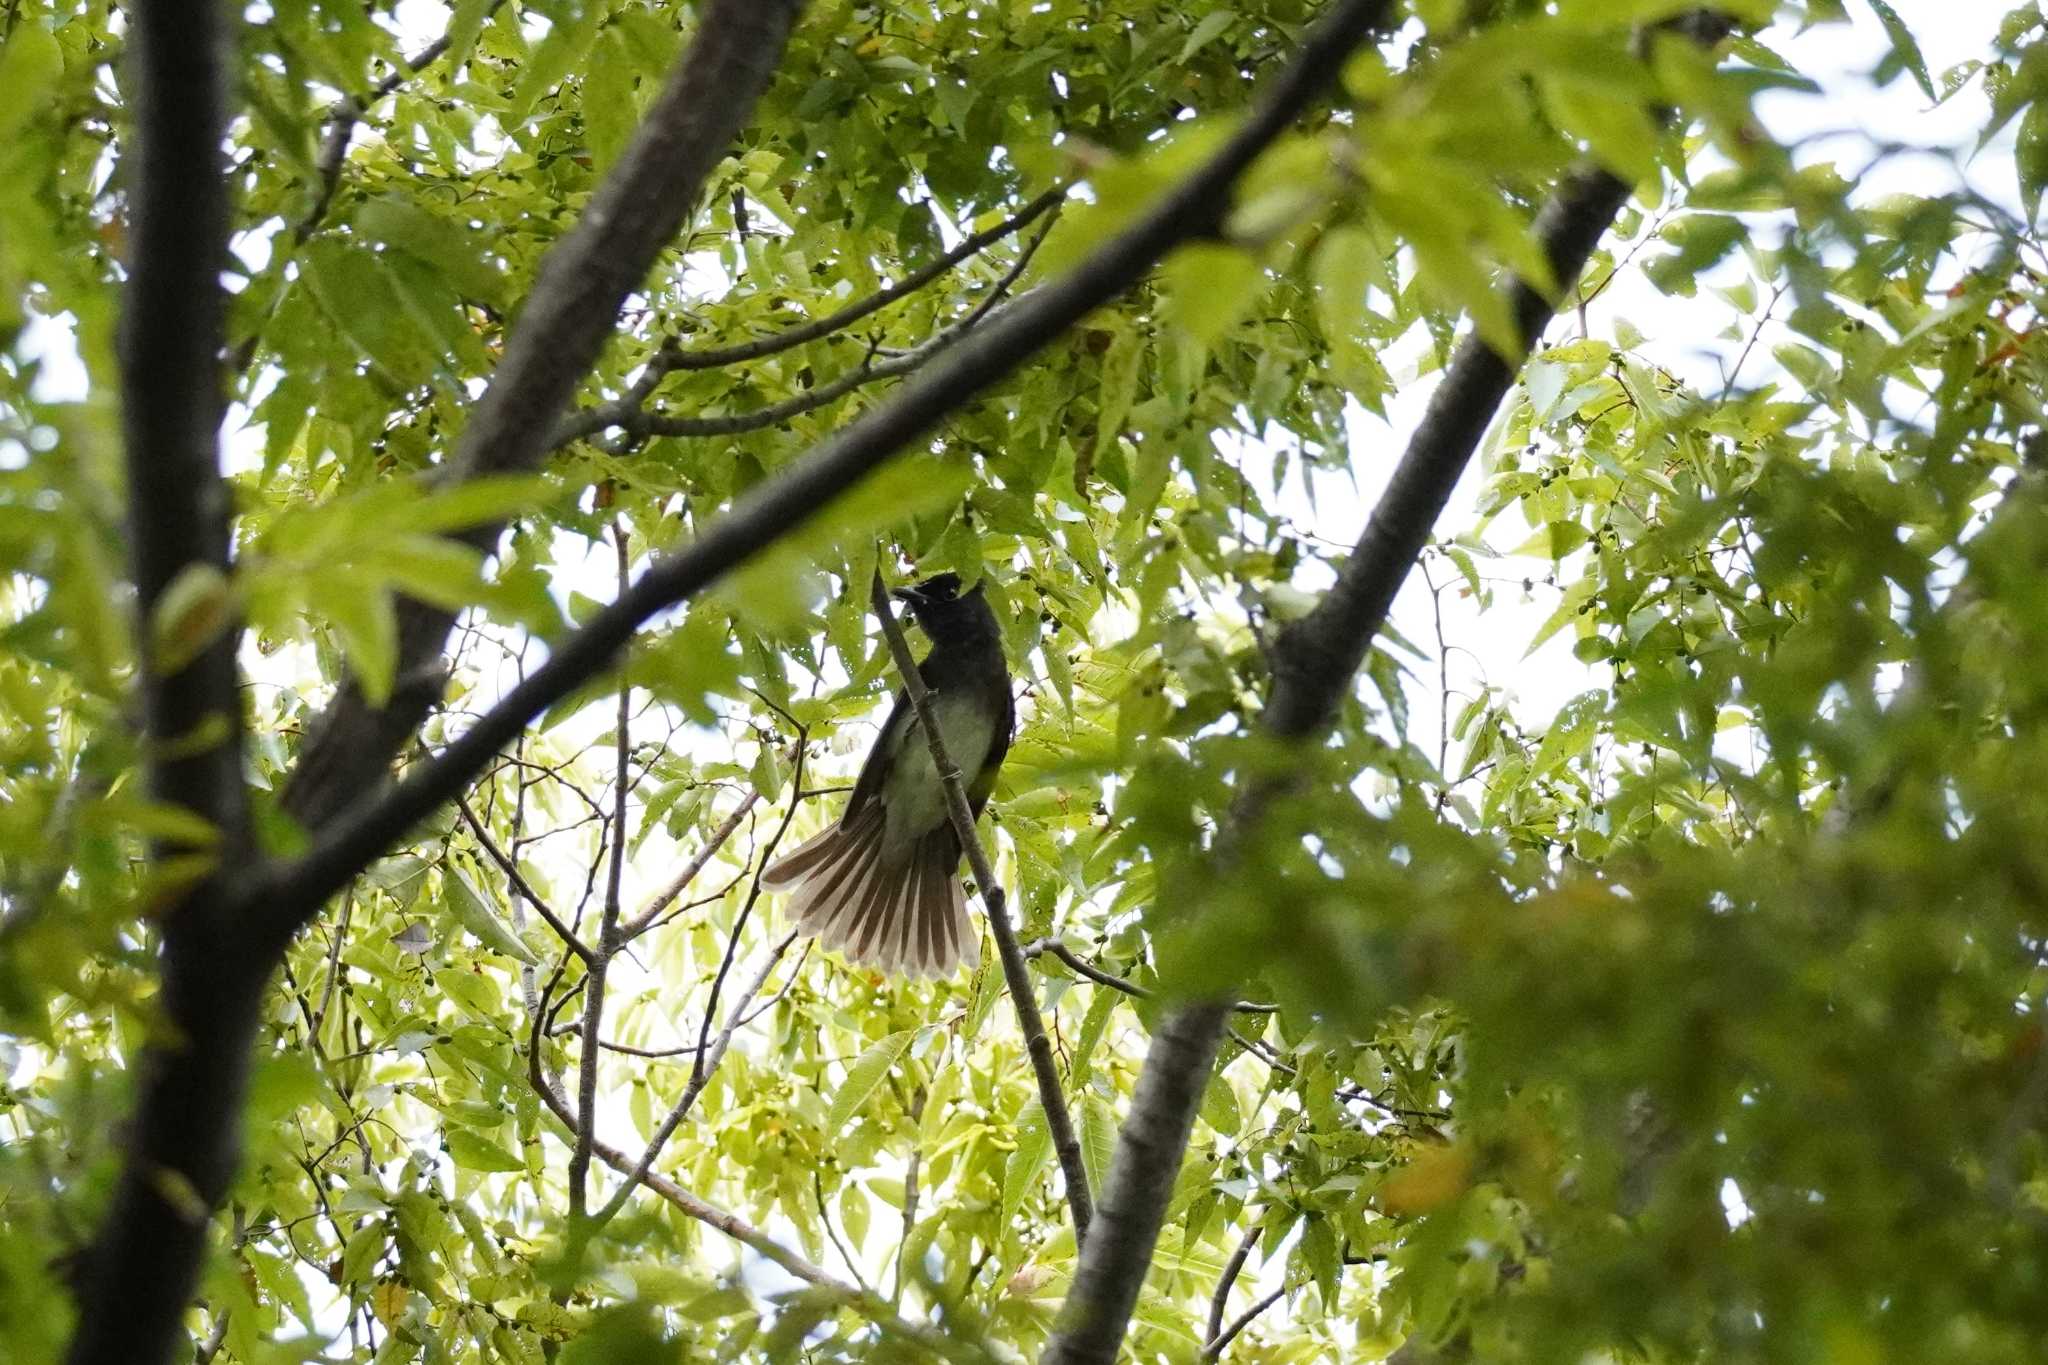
[631, 415]
[1315, 664]
[717, 357]
[354, 827]
[510, 867]
[561, 329]
[181, 1147]
[662, 899]
[1058, 1121]
[1055, 948]
[865, 1302]
[349, 111]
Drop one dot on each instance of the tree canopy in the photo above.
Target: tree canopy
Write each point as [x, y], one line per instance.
[448, 454]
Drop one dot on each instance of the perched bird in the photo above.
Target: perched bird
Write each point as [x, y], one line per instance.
[880, 886]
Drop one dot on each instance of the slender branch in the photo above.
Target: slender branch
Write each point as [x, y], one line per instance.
[716, 357]
[1058, 1121]
[945, 1344]
[359, 820]
[349, 111]
[1054, 947]
[1214, 1346]
[510, 868]
[662, 899]
[1315, 663]
[710, 1054]
[599, 964]
[181, 1146]
[561, 328]
[831, 1232]
[630, 415]
[1220, 1300]
[910, 1188]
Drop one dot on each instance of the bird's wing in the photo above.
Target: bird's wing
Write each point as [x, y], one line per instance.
[983, 783]
[874, 770]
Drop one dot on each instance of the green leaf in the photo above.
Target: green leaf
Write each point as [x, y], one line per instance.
[191, 613]
[364, 616]
[364, 1249]
[1905, 50]
[866, 1072]
[473, 1152]
[460, 254]
[475, 914]
[1027, 1159]
[1206, 30]
[30, 63]
[1098, 1138]
[1206, 287]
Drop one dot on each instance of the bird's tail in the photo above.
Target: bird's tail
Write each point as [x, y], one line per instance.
[902, 913]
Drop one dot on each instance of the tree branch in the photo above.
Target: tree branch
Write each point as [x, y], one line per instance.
[1315, 663]
[1060, 950]
[665, 897]
[520, 885]
[709, 1054]
[347, 112]
[562, 327]
[1058, 1121]
[1220, 1300]
[600, 961]
[1214, 1346]
[630, 413]
[362, 820]
[870, 1305]
[181, 1147]
[717, 357]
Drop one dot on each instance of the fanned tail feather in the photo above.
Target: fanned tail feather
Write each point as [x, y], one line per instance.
[904, 914]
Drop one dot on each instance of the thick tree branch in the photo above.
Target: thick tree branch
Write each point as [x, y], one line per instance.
[562, 327]
[362, 825]
[1316, 662]
[181, 1144]
[1059, 1122]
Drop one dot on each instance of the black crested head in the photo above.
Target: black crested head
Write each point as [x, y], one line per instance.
[946, 612]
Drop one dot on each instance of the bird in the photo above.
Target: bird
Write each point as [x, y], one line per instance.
[880, 885]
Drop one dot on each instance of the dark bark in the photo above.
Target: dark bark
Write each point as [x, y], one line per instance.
[181, 1152]
[1316, 663]
[1193, 209]
[562, 327]
[221, 942]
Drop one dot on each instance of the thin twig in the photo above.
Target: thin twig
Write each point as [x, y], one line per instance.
[1055, 948]
[662, 899]
[910, 1174]
[1221, 1298]
[716, 357]
[708, 1058]
[1214, 1346]
[608, 930]
[518, 880]
[1058, 1121]
[630, 414]
[831, 1232]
